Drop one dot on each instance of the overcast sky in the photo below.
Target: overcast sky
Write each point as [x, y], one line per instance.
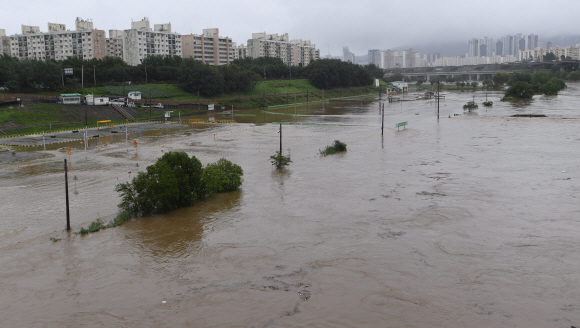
[330, 24]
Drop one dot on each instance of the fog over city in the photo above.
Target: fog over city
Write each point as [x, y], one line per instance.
[360, 25]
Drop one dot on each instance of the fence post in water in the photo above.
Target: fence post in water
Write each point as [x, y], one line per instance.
[43, 142]
[66, 192]
[86, 139]
[280, 138]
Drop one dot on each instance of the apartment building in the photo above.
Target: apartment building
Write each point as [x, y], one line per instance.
[240, 52]
[58, 43]
[304, 52]
[209, 47]
[291, 52]
[141, 41]
[538, 54]
[114, 43]
[4, 43]
[271, 45]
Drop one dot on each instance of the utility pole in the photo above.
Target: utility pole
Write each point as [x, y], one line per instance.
[66, 192]
[383, 119]
[123, 81]
[438, 89]
[127, 138]
[82, 77]
[95, 75]
[294, 100]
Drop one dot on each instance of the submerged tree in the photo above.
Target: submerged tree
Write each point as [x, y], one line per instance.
[176, 181]
[280, 161]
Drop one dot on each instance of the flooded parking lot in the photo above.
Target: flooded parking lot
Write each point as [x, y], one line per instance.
[465, 221]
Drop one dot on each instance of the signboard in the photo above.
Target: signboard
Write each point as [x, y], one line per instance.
[376, 82]
[209, 107]
[68, 71]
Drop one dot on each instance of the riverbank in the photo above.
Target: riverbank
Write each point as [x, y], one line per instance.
[36, 117]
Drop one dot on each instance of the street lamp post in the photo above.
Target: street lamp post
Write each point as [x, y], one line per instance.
[95, 75]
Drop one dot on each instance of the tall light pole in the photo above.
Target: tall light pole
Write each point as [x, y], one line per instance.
[95, 75]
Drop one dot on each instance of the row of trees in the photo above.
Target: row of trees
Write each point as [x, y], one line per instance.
[194, 76]
[526, 85]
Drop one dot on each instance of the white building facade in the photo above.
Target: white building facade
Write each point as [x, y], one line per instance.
[141, 41]
[58, 43]
[209, 47]
[291, 52]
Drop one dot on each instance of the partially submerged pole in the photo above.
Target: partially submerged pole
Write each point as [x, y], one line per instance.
[438, 88]
[86, 139]
[66, 193]
[280, 139]
[383, 120]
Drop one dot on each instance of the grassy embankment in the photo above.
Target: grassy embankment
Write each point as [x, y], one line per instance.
[257, 98]
[37, 117]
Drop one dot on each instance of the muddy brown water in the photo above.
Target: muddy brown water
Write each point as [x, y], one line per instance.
[469, 221]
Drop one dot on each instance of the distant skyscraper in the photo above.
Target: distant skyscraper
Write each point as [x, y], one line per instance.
[375, 57]
[473, 48]
[347, 56]
[485, 47]
[499, 48]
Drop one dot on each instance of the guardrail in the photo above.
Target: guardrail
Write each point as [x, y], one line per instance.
[204, 121]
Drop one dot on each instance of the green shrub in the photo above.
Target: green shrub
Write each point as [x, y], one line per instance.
[336, 147]
[94, 226]
[221, 176]
[174, 181]
[280, 161]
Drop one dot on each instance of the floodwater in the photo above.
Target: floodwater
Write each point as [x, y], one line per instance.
[466, 221]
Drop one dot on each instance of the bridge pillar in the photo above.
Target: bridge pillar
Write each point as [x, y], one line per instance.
[477, 77]
[428, 78]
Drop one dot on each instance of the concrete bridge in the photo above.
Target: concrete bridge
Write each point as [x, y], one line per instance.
[479, 72]
[442, 76]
